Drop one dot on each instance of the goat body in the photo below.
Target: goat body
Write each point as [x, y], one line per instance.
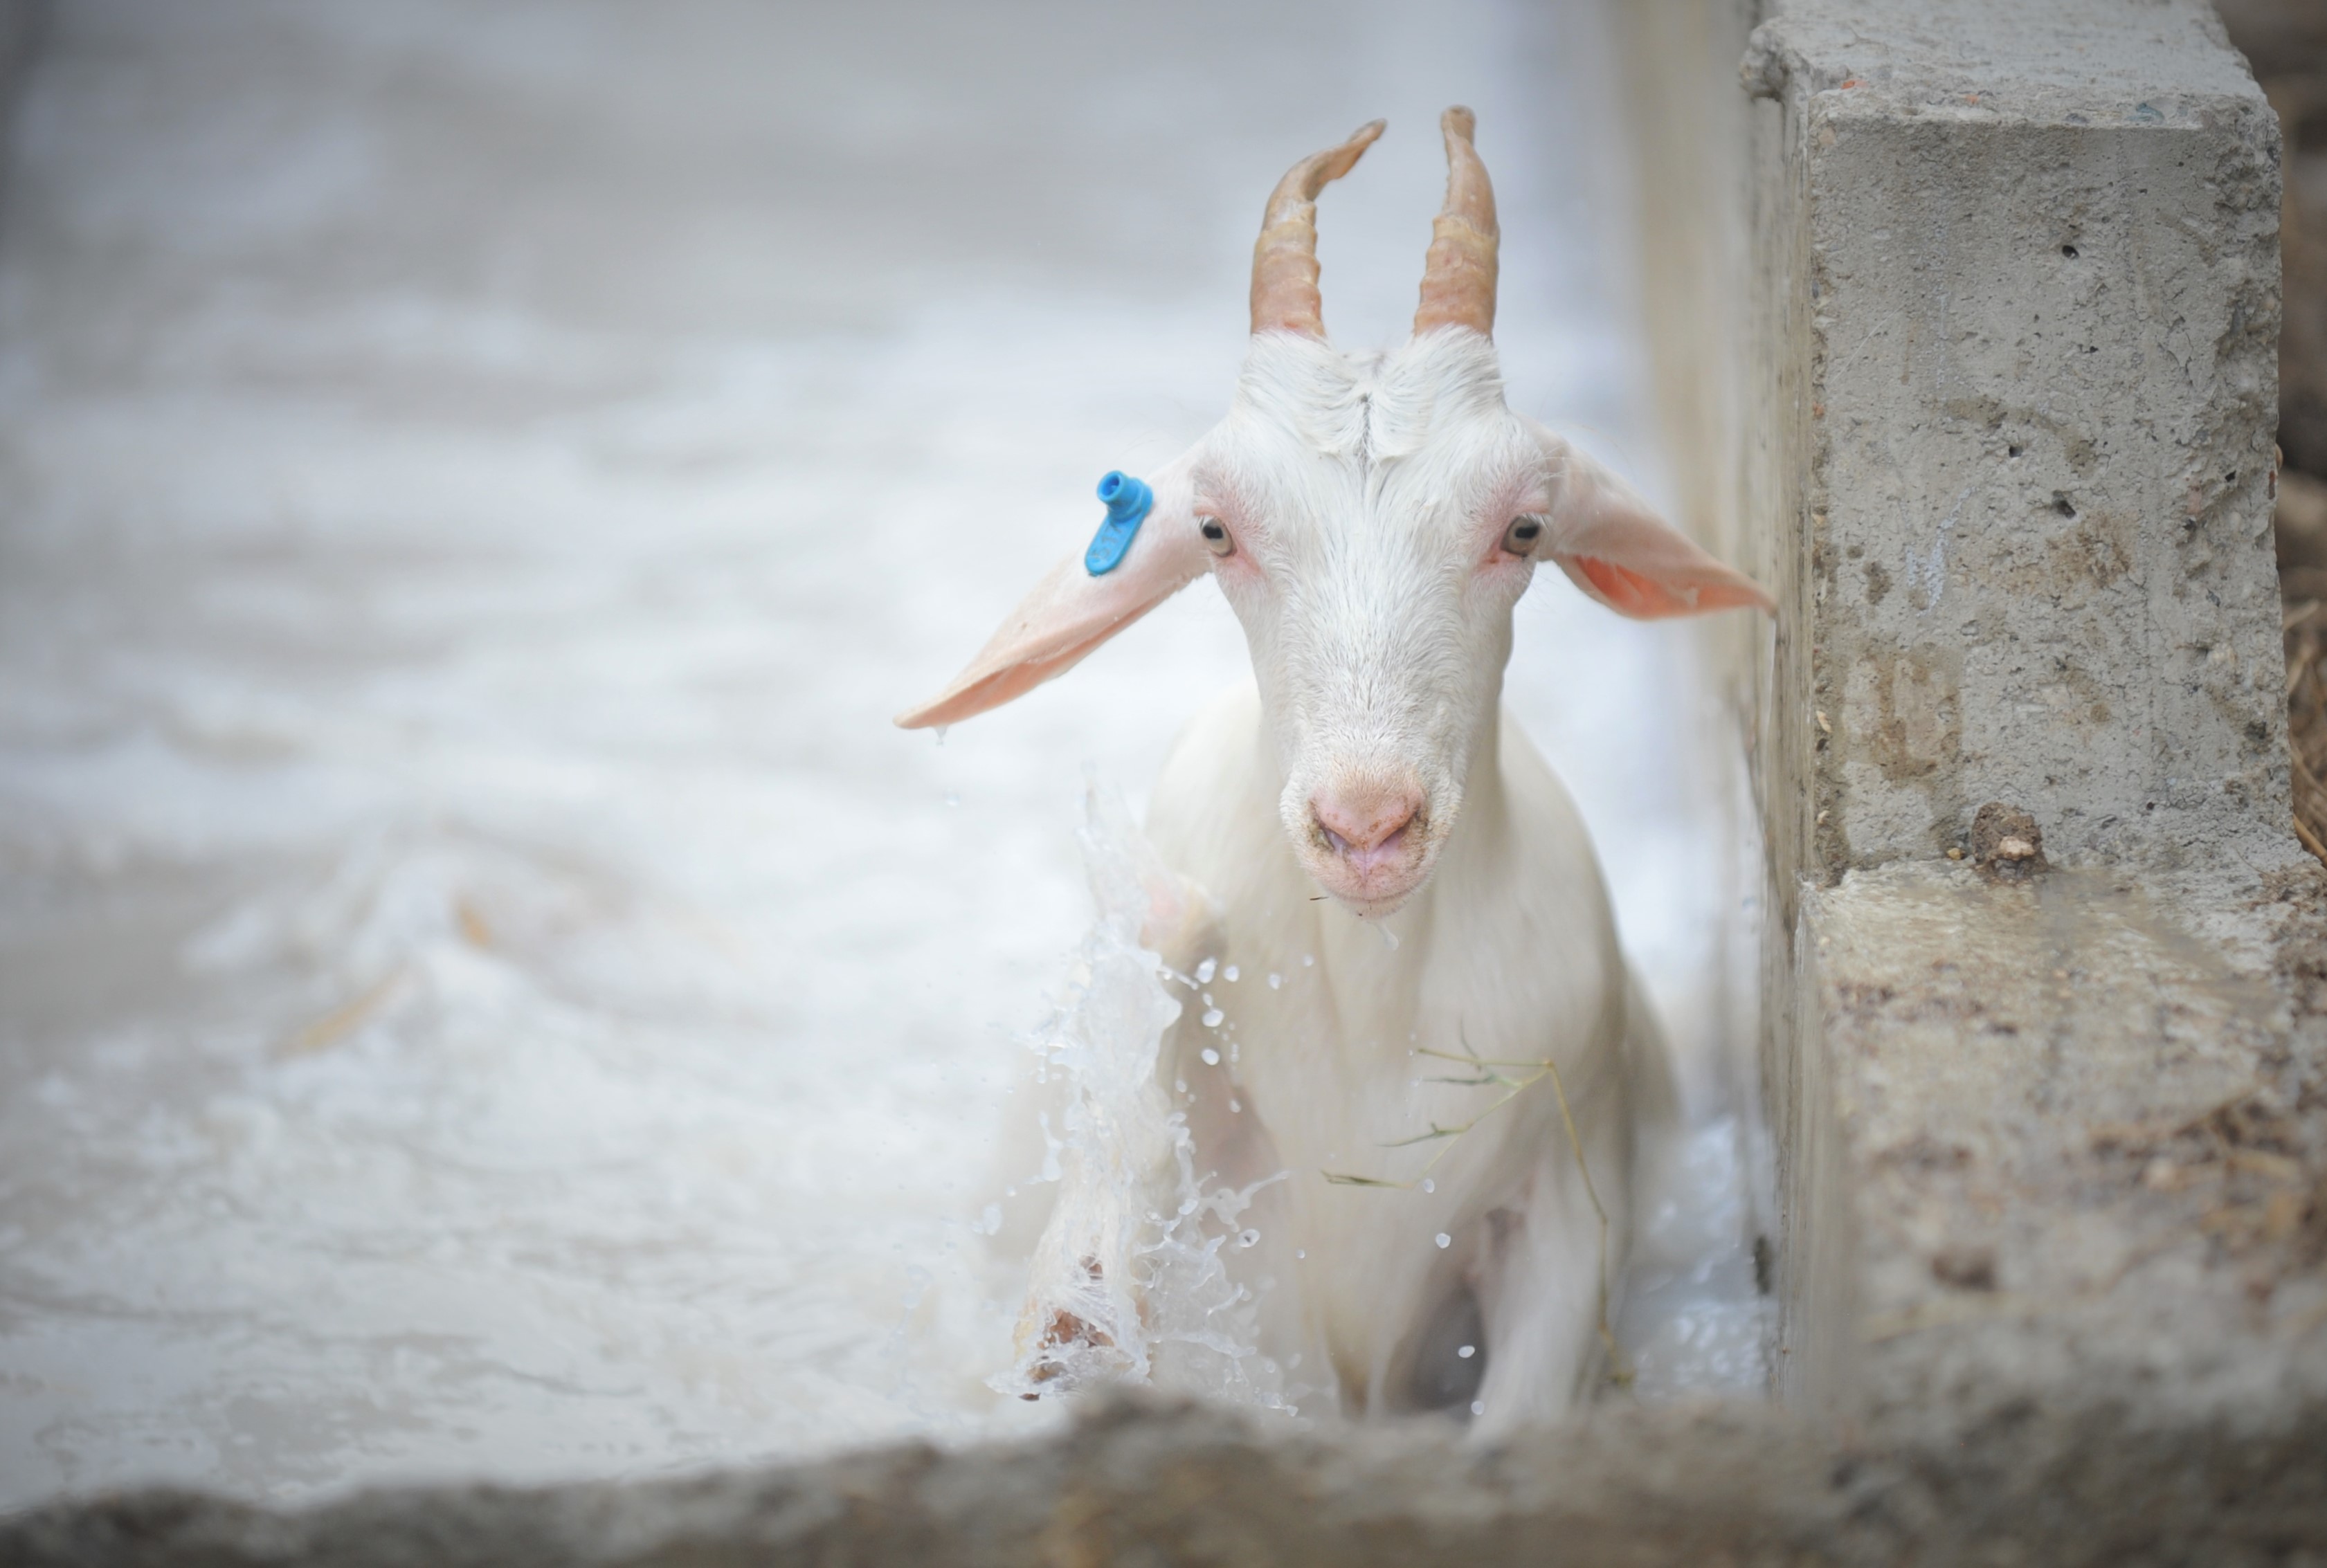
[1508, 955]
[1365, 825]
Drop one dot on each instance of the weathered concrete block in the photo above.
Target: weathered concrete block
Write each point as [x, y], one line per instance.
[2021, 298]
[1141, 1482]
[2039, 1132]
[2055, 1134]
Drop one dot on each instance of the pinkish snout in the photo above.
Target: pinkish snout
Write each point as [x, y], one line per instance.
[1368, 840]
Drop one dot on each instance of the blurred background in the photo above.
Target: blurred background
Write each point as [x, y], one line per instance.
[2285, 41]
[484, 990]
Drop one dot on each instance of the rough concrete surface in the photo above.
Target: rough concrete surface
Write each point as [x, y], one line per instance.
[2047, 1123]
[2082, 1483]
[2027, 340]
[2077, 1137]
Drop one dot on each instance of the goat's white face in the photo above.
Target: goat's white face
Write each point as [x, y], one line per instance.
[1372, 520]
[1369, 506]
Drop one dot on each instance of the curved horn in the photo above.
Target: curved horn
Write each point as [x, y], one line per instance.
[1285, 258]
[1458, 280]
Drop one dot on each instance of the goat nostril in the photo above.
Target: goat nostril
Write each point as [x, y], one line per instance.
[1368, 831]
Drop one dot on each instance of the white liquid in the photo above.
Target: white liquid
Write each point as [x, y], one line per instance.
[483, 990]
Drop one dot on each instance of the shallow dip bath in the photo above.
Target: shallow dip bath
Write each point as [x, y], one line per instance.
[483, 991]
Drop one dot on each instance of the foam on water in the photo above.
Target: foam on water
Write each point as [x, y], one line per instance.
[1128, 1282]
[483, 991]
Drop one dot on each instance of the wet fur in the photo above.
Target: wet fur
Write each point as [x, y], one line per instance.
[1511, 947]
[1368, 497]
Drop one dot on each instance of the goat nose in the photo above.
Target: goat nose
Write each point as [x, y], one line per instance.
[1359, 823]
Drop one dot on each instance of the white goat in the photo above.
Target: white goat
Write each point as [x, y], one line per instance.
[1373, 520]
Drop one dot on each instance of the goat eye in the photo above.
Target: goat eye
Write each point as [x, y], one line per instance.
[1216, 536]
[1522, 536]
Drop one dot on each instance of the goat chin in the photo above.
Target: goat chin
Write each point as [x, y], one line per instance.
[1368, 898]
[1506, 948]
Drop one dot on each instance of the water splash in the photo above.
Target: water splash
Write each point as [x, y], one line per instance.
[1127, 1282]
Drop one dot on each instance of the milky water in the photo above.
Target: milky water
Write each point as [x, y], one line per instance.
[484, 989]
[1137, 1239]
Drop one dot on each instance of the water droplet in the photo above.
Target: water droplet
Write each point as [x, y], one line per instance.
[1275, 982]
[1213, 1017]
[953, 800]
[941, 730]
[1389, 937]
[1229, 973]
[1181, 1085]
[1444, 1240]
[1208, 999]
[1467, 1351]
[1299, 1252]
[1206, 970]
[1308, 960]
[1236, 1106]
[1249, 1238]
[1478, 1407]
[1211, 1057]
[1429, 1185]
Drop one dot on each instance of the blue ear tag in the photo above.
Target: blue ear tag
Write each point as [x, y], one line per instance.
[1129, 501]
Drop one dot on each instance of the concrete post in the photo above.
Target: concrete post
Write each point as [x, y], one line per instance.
[2008, 464]
[2019, 277]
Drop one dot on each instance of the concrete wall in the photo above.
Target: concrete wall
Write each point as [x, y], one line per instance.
[2026, 333]
[2006, 459]
[2002, 369]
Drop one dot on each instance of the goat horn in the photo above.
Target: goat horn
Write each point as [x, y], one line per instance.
[1458, 280]
[1285, 258]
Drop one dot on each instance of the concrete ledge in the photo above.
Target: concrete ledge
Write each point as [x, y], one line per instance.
[1137, 1482]
[2057, 1135]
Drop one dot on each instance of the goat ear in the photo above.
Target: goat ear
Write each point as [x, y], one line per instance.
[1612, 546]
[1071, 612]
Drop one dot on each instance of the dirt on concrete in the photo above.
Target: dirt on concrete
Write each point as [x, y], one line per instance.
[2006, 843]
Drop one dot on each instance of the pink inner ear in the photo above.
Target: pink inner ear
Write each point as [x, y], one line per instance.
[1613, 546]
[987, 686]
[1644, 598]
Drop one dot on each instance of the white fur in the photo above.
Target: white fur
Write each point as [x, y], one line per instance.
[1508, 950]
[1368, 498]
